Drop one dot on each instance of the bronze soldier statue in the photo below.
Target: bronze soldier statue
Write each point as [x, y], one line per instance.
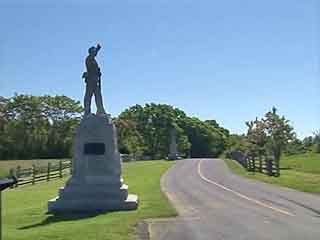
[93, 82]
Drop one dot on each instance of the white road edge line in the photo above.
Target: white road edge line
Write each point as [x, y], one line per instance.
[241, 195]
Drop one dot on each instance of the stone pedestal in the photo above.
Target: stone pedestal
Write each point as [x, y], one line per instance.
[96, 183]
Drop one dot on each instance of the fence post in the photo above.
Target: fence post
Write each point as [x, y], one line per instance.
[48, 171]
[260, 163]
[269, 165]
[11, 174]
[33, 174]
[277, 165]
[60, 169]
[18, 172]
[71, 166]
[248, 164]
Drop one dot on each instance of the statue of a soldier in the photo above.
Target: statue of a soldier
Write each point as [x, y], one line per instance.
[93, 82]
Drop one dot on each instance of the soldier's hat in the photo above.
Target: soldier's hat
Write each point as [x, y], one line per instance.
[91, 49]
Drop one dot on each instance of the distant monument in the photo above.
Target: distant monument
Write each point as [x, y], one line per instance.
[173, 149]
[96, 183]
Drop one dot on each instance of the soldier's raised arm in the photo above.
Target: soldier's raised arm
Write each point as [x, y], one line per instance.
[98, 47]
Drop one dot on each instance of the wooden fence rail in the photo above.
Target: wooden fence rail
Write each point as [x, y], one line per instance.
[41, 173]
[265, 165]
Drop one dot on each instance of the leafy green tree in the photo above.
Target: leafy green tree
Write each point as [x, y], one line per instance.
[154, 122]
[237, 142]
[63, 115]
[43, 127]
[279, 132]
[3, 122]
[206, 139]
[26, 123]
[295, 146]
[257, 139]
[129, 138]
[308, 143]
[38, 126]
[316, 141]
[269, 136]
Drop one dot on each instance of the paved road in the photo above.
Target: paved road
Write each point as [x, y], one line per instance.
[215, 204]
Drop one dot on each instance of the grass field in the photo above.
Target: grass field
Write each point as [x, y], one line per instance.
[25, 209]
[3, 173]
[5, 165]
[309, 162]
[301, 172]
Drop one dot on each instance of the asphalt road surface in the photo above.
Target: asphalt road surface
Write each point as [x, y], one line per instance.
[214, 204]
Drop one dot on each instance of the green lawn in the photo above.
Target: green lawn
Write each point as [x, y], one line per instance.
[3, 173]
[5, 165]
[25, 209]
[309, 162]
[301, 172]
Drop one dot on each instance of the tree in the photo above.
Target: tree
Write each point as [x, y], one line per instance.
[206, 139]
[237, 142]
[63, 115]
[43, 127]
[308, 143]
[129, 138]
[38, 126]
[316, 141]
[295, 146]
[3, 123]
[153, 124]
[279, 132]
[257, 139]
[268, 138]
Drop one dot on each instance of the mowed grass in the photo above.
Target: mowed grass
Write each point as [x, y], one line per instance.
[309, 162]
[6, 165]
[3, 173]
[301, 172]
[25, 209]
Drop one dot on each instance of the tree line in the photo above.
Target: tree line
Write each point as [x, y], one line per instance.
[145, 130]
[270, 137]
[37, 126]
[44, 127]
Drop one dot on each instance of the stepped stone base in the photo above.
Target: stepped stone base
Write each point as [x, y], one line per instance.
[96, 183]
[77, 200]
[173, 157]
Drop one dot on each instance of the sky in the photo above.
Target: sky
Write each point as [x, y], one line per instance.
[229, 60]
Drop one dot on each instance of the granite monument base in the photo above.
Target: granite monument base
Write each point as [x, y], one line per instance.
[97, 199]
[173, 156]
[96, 183]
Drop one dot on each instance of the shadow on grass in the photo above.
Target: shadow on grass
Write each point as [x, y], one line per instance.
[285, 168]
[62, 218]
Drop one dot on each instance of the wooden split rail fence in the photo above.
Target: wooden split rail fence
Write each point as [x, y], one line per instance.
[265, 165]
[41, 173]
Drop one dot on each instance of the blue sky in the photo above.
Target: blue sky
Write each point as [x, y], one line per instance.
[224, 60]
